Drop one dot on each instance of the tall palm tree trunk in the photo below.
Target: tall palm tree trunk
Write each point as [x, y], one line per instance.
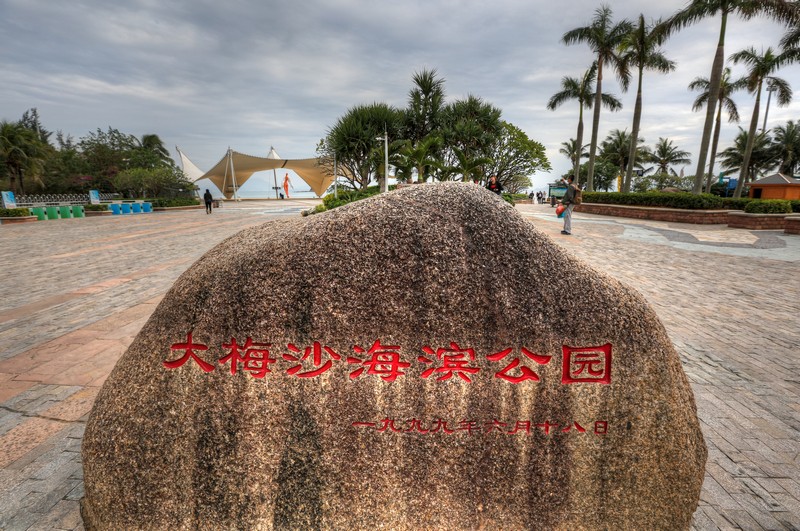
[711, 107]
[744, 172]
[637, 118]
[595, 126]
[578, 147]
[714, 145]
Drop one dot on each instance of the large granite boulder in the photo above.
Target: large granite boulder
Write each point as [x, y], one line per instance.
[425, 359]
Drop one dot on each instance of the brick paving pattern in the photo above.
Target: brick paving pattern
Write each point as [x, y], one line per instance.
[74, 293]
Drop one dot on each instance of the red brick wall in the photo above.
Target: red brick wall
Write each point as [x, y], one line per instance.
[743, 220]
[792, 225]
[676, 215]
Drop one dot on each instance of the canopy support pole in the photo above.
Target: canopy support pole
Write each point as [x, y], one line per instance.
[233, 175]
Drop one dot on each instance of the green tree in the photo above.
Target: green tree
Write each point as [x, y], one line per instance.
[353, 141]
[106, 154]
[761, 67]
[467, 167]
[583, 91]
[616, 149]
[763, 155]
[787, 145]
[570, 150]
[470, 128]
[665, 155]
[698, 10]
[603, 37]
[726, 88]
[420, 157]
[22, 154]
[641, 50]
[152, 182]
[423, 114]
[514, 154]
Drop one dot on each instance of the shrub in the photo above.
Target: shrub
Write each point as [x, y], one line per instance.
[176, 202]
[768, 206]
[656, 199]
[795, 206]
[510, 198]
[348, 196]
[14, 212]
[729, 203]
[96, 208]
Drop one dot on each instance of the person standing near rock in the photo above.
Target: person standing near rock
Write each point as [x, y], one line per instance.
[494, 185]
[567, 201]
[208, 199]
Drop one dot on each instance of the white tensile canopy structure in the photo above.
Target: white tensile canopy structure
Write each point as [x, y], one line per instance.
[234, 169]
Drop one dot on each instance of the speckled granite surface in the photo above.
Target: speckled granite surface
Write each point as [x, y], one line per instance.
[471, 412]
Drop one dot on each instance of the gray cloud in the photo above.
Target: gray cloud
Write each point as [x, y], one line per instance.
[207, 75]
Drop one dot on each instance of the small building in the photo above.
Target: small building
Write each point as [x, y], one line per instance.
[777, 186]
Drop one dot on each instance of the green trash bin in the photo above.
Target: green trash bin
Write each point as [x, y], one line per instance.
[39, 213]
[52, 212]
[66, 211]
[77, 211]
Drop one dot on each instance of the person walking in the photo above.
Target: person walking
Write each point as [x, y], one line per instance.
[569, 204]
[208, 199]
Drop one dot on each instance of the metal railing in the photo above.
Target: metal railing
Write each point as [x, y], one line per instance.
[61, 199]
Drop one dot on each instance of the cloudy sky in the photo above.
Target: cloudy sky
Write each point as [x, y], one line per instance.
[250, 74]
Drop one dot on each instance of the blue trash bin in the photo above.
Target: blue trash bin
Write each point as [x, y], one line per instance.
[126, 208]
[116, 209]
[147, 207]
[137, 208]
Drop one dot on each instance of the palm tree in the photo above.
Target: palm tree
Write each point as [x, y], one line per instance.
[581, 90]
[763, 154]
[666, 154]
[760, 69]
[603, 37]
[425, 103]
[726, 88]
[467, 166]
[22, 152]
[787, 144]
[421, 156]
[780, 10]
[616, 149]
[570, 150]
[640, 48]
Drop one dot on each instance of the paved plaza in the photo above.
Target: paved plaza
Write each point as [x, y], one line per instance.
[74, 294]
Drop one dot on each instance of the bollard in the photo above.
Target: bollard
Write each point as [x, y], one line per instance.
[147, 207]
[136, 208]
[77, 211]
[52, 212]
[39, 213]
[65, 211]
[115, 209]
[126, 208]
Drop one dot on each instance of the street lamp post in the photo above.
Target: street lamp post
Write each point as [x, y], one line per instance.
[770, 89]
[385, 183]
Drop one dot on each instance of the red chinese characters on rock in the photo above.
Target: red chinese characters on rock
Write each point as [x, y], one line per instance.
[316, 349]
[382, 361]
[586, 364]
[525, 372]
[580, 365]
[487, 427]
[254, 356]
[189, 347]
[454, 362]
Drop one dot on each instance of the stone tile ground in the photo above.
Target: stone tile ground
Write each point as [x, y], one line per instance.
[77, 292]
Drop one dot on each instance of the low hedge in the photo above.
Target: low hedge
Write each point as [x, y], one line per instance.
[684, 200]
[730, 203]
[14, 212]
[96, 208]
[176, 202]
[795, 206]
[769, 206]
